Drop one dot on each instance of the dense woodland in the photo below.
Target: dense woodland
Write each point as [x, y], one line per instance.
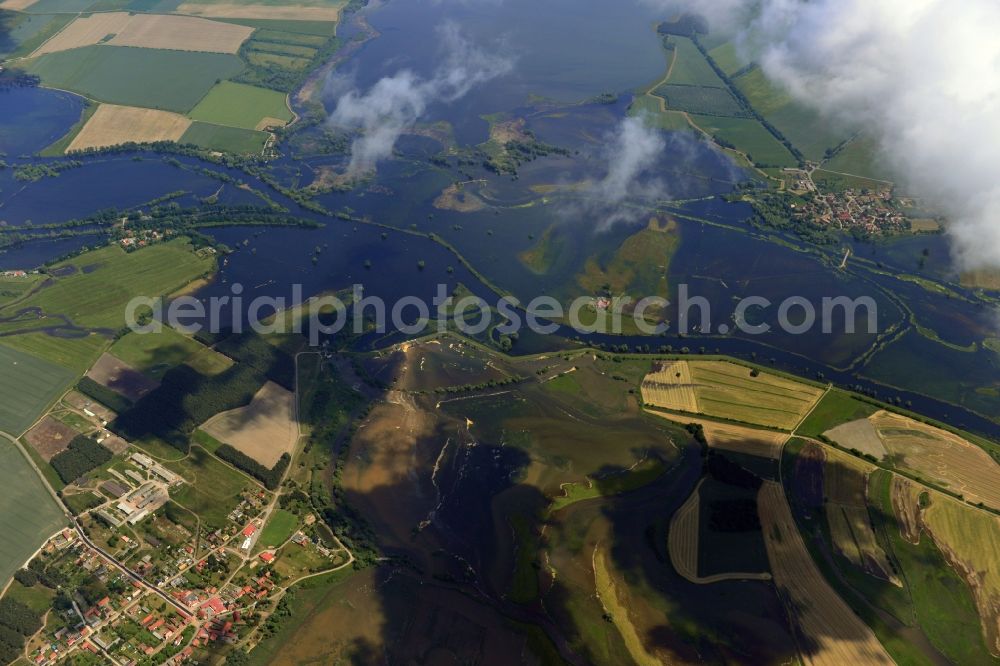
[17, 622]
[81, 456]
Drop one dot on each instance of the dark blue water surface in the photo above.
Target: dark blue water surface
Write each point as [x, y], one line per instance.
[32, 118]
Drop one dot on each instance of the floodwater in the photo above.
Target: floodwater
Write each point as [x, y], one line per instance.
[562, 53]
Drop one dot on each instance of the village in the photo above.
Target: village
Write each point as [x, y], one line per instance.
[868, 211]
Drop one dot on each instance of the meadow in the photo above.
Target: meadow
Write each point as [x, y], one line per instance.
[27, 386]
[101, 282]
[239, 105]
[748, 136]
[76, 354]
[279, 528]
[154, 353]
[152, 78]
[28, 514]
[812, 135]
[213, 488]
[690, 67]
[224, 139]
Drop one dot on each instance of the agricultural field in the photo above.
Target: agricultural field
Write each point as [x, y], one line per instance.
[28, 514]
[837, 636]
[747, 136]
[113, 125]
[50, 437]
[701, 99]
[653, 112]
[28, 385]
[93, 288]
[121, 378]
[239, 105]
[225, 139]
[690, 67]
[859, 435]
[151, 78]
[76, 354]
[727, 390]
[264, 430]
[154, 353]
[805, 129]
[940, 457]
[153, 31]
[307, 10]
[971, 540]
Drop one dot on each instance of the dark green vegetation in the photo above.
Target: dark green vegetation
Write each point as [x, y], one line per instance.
[187, 398]
[81, 456]
[152, 78]
[17, 622]
[269, 477]
[102, 394]
[226, 139]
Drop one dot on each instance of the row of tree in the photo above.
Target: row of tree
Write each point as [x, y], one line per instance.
[271, 478]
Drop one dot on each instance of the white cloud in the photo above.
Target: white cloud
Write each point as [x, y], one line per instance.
[395, 103]
[922, 75]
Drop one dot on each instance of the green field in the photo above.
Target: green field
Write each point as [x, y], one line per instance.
[27, 386]
[227, 139]
[748, 136]
[213, 489]
[240, 105]
[701, 99]
[155, 353]
[76, 354]
[28, 514]
[727, 58]
[153, 78]
[807, 131]
[278, 529]
[12, 289]
[690, 67]
[103, 281]
[858, 158]
[836, 408]
[648, 106]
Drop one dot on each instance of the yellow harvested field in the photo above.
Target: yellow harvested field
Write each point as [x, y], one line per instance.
[970, 540]
[16, 5]
[152, 31]
[728, 390]
[669, 386]
[860, 435]
[290, 12]
[264, 430]
[845, 478]
[735, 438]
[940, 457]
[853, 535]
[113, 125]
[836, 635]
[270, 123]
